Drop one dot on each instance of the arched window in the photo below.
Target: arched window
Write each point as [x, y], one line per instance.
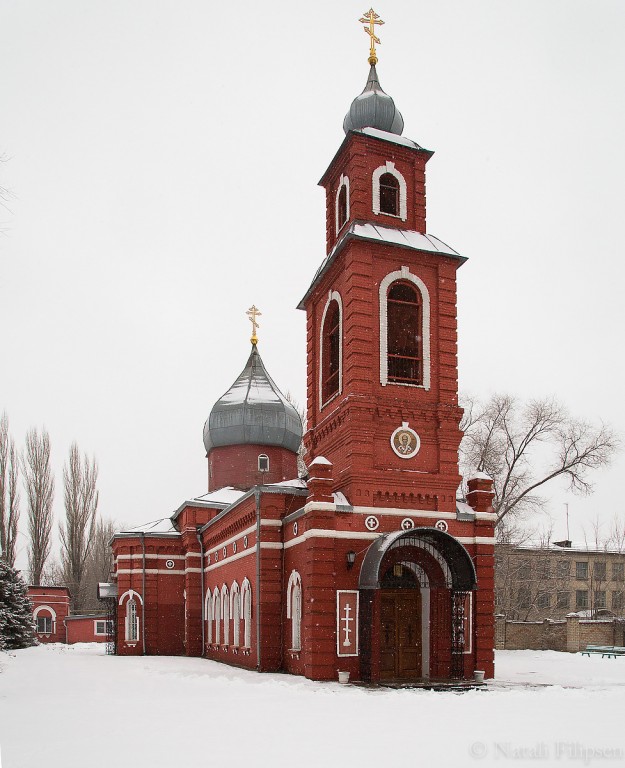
[225, 613]
[263, 463]
[404, 334]
[132, 621]
[331, 352]
[235, 610]
[246, 597]
[389, 194]
[45, 620]
[209, 618]
[342, 203]
[217, 615]
[294, 609]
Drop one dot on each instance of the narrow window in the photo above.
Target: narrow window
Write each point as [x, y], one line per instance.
[296, 617]
[209, 620]
[581, 570]
[618, 571]
[405, 359]
[389, 194]
[247, 616]
[263, 463]
[600, 599]
[132, 622]
[564, 600]
[217, 615]
[617, 601]
[225, 614]
[100, 627]
[581, 599]
[331, 351]
[236, 617]
[341, 208]
[599, 570]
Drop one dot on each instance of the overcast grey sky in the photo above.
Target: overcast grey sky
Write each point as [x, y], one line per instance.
[163, 160]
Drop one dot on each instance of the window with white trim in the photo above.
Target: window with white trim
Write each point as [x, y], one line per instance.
[132, 621]
[209, 618]
[331, 351]
[225, 612]
[263, 463]
[389, 192]
[99, 627]
[246, 597]
[235, 600]
[341, 203]
[44, 625]
[217, 615]
[404, 334]
[294, 609]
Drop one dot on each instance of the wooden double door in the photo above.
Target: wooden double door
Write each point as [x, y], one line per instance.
[400, 634]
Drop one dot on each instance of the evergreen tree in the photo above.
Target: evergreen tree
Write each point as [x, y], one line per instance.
[16, 610]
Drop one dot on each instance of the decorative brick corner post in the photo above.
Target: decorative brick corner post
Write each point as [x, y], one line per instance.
[572, 633]
[193, 592]
[320, 481]
[480, 498]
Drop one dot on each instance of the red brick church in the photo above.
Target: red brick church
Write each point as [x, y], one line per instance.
[369, 564]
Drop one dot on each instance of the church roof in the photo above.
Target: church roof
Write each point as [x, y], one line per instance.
[253, 412]
[373, 108]
[404, 238]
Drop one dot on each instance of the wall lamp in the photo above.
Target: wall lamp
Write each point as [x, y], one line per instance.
[351, 559]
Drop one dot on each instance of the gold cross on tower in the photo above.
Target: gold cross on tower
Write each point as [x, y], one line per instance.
[253, 313]
[371, 18]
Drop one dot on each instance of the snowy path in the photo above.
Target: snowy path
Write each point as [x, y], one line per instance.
[67, 706]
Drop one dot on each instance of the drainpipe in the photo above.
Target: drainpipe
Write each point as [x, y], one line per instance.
[199, 538]
[257, 495]
[143, 593]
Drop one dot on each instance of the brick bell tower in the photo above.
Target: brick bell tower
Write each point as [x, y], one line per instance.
[382, 385]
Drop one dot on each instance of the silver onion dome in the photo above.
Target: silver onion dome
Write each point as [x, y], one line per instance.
[374, 109]
[253, 412]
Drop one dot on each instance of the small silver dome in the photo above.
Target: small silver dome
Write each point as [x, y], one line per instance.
[253, 412]
[374, 109]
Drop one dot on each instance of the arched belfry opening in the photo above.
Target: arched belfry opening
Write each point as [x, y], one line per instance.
[416, 601]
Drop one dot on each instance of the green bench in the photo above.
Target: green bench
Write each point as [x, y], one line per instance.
[605, 650]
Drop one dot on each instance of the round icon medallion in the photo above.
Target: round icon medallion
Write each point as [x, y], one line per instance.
[372, 523]
[407, 524]
[441, 525]
[405, 442]
[169, 564]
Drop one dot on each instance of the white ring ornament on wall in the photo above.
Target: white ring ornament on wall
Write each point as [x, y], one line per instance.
[294, 529]
[372, 523]
[441, 525]
[216, 556]
[245, 542]
[209, 558]
[405, 442]
[224, 552]
[407, 524]
[234, 547]
[169, 564]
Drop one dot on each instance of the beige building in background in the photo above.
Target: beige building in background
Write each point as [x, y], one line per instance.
[533, 583]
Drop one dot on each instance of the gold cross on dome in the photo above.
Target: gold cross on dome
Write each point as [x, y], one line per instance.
[253, 313]
[371, 18]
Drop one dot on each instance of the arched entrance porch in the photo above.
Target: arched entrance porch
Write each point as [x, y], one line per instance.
[415, 617]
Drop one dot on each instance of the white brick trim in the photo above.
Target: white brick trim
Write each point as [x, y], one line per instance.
[404, 274]
[389, 167]
[332, 296]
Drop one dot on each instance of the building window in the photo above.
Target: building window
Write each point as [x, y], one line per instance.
[600, 600]
[524, 570]
[544, 600]
[217, 615]
[235, 600]
[294, 609]
[342, 203]
[523, 598]
[225, 613]
[563, 600]
[618, 571]
[404, 335]
[263, 463]
[246, 597]
[99, 627]
[389, 192]
[581, 571]
[543, 569]
[599, 570]
[617, 601]
[581, 599]
[331, 349]
[563, 569]
[132, 622]
[44, 625]
[209, 618]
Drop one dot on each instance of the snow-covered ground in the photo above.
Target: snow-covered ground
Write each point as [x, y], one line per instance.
[72, 706]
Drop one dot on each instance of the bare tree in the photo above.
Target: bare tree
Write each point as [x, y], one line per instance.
[99, 564]
[39, 485]
[301, 451]
[524, 447]
[9, 493]
[80, 476]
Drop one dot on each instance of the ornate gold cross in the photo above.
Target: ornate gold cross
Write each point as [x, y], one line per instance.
[371, 18]
[253, 313]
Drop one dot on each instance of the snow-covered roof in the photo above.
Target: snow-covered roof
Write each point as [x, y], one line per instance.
[404, 238]
[296, 483]
[164, 525]
[464, 509]
[227, 495]
[378, 134]
[480, 476]
[576, 546]
[321, 460]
